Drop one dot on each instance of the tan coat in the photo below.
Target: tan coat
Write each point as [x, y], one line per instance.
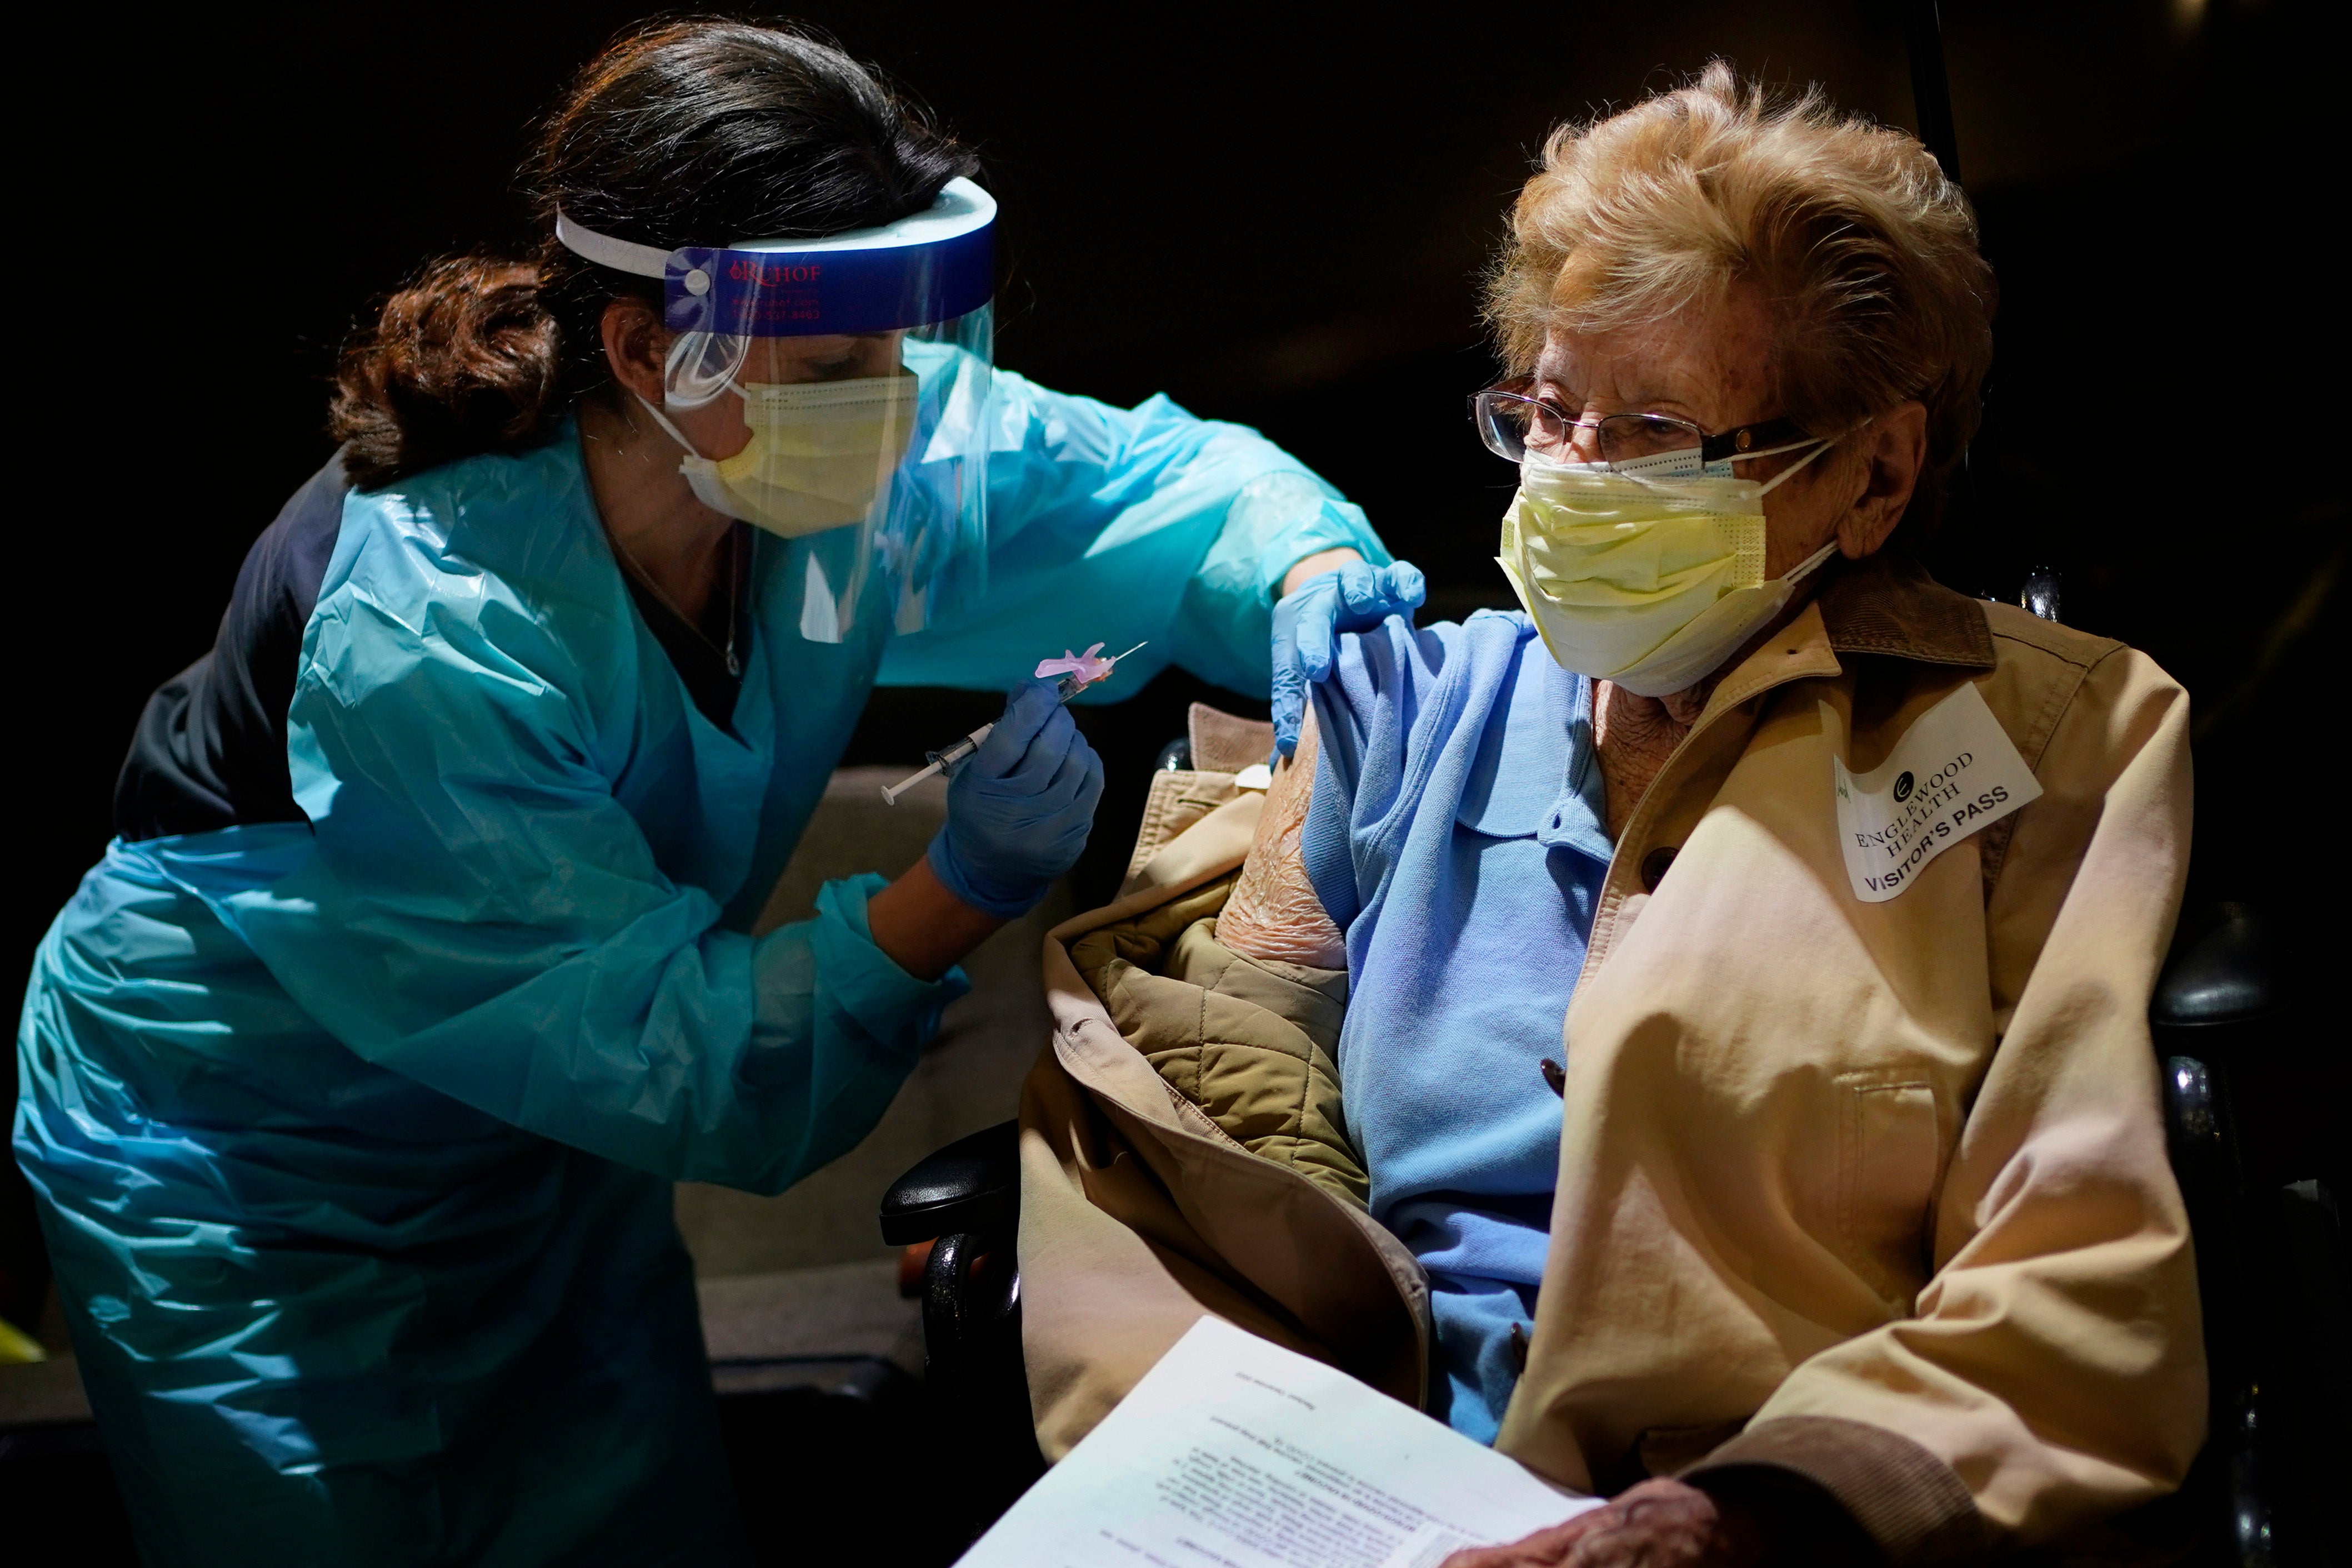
[1875, 1193]
[1142, 1206]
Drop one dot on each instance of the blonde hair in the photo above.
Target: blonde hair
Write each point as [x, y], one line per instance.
[1865, 253]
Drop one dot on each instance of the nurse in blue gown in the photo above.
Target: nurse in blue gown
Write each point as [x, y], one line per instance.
[357, 1073]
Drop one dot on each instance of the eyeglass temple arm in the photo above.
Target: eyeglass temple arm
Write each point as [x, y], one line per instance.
[1750, 438]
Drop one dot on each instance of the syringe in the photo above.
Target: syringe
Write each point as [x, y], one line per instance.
[948, 758]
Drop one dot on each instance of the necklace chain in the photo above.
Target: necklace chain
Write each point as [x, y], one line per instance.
[734, 569]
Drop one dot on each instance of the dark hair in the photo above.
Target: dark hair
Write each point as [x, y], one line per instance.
[682, 133]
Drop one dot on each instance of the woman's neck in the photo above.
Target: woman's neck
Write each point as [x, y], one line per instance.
[677, 544]
[1635, 734]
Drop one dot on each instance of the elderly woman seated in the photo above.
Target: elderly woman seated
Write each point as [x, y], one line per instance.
[1837, 1212]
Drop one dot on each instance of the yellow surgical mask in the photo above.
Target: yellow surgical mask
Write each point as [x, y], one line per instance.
[820, 451]
[1651, 583]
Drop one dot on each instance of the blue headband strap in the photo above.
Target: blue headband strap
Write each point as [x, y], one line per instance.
[932, 266]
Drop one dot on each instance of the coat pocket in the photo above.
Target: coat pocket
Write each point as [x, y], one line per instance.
[1890, 1153]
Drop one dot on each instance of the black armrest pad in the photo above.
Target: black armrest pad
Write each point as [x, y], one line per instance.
[2226, 969]
[973, 1184]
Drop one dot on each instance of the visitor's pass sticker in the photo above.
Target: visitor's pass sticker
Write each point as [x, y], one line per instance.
[1953, 772]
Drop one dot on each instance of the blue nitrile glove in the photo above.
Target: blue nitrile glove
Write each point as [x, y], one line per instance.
[1019, 808]
[1356, 598]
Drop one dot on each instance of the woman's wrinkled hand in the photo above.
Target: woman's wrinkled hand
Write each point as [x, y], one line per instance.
[1308, 622]
[1658, 1524]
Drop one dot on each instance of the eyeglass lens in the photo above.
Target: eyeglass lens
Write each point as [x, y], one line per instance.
[1513, 426]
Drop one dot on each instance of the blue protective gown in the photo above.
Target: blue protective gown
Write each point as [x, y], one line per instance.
[355, 1137]
[1458, 836]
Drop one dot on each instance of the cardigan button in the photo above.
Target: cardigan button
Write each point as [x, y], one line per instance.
[1654, 865]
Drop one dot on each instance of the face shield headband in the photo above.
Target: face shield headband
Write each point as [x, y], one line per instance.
[928, 267]
[879, 482]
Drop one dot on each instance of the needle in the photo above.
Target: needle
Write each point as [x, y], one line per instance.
[948, 756]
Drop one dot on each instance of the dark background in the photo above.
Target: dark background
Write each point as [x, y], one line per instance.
[1275, 215]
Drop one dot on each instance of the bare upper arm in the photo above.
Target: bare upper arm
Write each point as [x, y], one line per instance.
[1274, 912]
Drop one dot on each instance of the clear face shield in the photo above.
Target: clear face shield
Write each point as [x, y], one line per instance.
[859, 365]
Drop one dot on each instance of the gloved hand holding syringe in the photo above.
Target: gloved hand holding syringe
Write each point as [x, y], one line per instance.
[1078, 671]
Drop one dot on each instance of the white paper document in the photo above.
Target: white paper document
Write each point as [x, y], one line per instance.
[1236, 1453]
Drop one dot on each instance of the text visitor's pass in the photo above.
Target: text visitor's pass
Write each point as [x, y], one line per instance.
[1953, 772]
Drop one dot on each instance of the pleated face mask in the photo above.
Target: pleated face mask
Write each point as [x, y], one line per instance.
[820, 451]
[1648, 581]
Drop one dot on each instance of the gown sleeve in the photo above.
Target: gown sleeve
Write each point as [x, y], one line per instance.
[482, 916]
[1120, 525]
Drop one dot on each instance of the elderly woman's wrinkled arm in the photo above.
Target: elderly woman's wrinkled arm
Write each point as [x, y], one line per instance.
[1274, 912]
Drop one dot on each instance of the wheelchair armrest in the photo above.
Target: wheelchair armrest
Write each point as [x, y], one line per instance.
[966, 1200]
[2225, 1031]
[2219, 1011]
[973, 1184]
[2225, 974]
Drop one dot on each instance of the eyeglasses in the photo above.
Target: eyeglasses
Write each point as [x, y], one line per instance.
[1512, 424]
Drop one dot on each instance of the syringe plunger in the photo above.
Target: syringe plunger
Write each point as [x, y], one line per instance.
[938, 762]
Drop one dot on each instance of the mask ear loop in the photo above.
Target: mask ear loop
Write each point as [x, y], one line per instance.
[668, 429]
[1804, 568]
[1793, 469]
